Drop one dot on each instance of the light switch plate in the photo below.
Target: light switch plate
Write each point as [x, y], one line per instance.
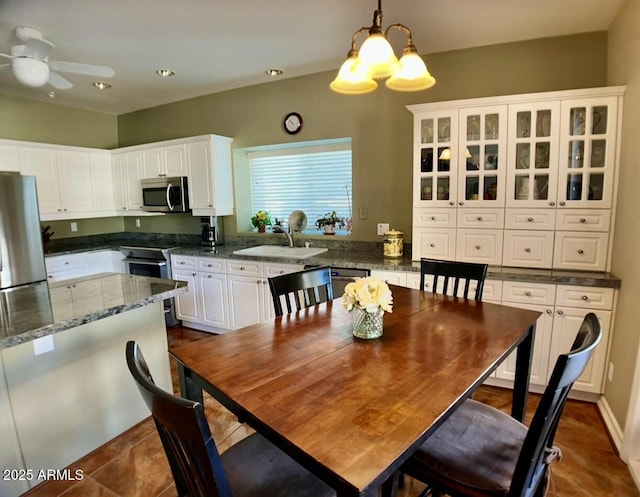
[383, 228]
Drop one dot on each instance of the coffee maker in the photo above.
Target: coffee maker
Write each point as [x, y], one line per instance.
[211, 233]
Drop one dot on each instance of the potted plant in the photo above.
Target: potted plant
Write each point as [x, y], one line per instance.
[261, 220]
[329, 221]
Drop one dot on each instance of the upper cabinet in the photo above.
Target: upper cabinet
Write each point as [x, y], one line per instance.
[160, 162]
[520, 180]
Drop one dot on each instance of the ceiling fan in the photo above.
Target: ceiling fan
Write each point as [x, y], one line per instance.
[31, 65]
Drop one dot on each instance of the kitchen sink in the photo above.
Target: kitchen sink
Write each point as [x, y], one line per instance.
[281, 251]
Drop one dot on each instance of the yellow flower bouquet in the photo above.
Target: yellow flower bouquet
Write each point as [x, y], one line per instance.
[367, 299]
[260, 220]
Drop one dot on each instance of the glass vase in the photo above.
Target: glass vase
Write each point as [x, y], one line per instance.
[367, 324]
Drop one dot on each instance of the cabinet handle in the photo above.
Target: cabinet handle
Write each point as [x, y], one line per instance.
[479, 218]
[281, 271]
[530, 219]
[478, 247]
[66, 263]
[585, 297]
[210, 205]
[527, 293]
[549, 311]
[181, 262]
[580, 251]
[432, 245]
[433, 218]
[209, 276]
[560, 311]
[452, 203]
[583, 220]
[194, 274]
[59, 210]
[241, 268]
[527, 250]
[563, 203]
[259, 282]
[552, 204]
[460, 203]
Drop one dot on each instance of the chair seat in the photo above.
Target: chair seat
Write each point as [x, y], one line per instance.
[257, 468]
[474, 452]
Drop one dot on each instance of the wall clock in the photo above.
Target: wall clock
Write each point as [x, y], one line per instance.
[292, 123]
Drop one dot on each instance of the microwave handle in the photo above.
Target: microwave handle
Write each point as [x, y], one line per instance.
[169, 186]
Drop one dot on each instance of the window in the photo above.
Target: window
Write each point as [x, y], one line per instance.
[314, 177]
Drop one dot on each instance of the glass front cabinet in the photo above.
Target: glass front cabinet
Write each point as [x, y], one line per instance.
[520, 180]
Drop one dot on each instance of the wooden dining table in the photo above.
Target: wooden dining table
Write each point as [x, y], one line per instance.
[352, 410]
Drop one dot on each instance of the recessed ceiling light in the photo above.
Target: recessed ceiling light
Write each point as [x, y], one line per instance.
[165, 73]
[101, 85]
[274, 72]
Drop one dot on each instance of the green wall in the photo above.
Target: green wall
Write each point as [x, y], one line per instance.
[378, 123]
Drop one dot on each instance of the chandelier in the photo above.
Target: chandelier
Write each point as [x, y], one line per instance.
[376, 61]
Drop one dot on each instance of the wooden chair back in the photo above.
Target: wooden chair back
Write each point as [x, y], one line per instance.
[185, 434]
[302, 289]
[454, 278]
[537, 450]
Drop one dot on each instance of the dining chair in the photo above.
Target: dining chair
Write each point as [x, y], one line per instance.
[457, 275]
[252, 467]
[480, 451]
[306, 288]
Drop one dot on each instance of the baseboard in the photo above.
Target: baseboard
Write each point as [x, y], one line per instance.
[634, 469]
[615, 432]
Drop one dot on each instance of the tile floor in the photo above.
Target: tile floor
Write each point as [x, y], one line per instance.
[134, 464]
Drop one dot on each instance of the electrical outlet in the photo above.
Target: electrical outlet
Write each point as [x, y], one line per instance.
[74, 227]
[383, 228]
[610, 372]
[137, 223]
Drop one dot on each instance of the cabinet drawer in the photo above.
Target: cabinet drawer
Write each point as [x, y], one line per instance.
[183, 262]
[587, 251]
[530, 219]
[528, 248]
[435, 218]
[584, 296]
[211, 265]
[492, 291]
[529, 293]
[245, 268]
[69, 262]
[584, 220]
[480, 218]
[434, 243]
[479, 246]
[271, 270]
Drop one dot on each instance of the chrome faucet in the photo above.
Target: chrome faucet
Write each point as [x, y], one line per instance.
[287, 232]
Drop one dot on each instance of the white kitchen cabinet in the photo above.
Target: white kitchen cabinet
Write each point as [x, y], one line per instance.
[398, 278]
[9, 157]
[42, 163]
[66, 266]
[210, 177]
[187, 304]
[552, 158]
[104, 261]
[212, 285]
[162, 162]
[246, 300]
[102, 188]
[126, 182]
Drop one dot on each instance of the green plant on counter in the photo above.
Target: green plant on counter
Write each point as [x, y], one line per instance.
[261, 219]
[330, 219]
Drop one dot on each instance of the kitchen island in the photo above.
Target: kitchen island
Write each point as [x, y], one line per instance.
[64, 385]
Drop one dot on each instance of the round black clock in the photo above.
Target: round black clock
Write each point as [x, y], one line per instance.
[292, 123]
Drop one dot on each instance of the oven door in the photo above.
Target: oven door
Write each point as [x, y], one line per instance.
[142, 267]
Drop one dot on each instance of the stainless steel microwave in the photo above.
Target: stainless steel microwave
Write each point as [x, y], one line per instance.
[165, 194]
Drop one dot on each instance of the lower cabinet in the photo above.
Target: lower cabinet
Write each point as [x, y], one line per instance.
[67, 266]
[225, 294]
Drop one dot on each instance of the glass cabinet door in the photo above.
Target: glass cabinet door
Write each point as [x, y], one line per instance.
[481, 156]
[435, 178]
[587, 154]
[533, 154]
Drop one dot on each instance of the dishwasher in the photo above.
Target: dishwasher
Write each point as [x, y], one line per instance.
[341, 276]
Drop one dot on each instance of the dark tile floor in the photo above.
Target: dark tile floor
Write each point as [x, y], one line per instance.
[134, 464]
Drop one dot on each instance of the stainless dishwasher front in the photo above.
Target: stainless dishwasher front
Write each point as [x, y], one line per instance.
[341, 276]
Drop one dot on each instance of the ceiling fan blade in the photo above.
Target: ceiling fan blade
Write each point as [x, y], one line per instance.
[37, 48]
[6, 55]
[88, 69]
[58, 82]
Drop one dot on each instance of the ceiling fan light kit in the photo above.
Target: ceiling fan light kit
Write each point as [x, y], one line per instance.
[31, 65]
[376, 61]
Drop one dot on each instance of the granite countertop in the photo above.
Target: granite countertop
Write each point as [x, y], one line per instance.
[376, 261]
[41, 309]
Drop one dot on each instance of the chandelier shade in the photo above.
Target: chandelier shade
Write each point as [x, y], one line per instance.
[376, 61]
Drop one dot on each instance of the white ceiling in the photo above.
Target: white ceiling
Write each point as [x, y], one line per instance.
[214, 45]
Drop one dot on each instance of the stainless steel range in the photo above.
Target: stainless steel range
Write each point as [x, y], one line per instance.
[153, 261]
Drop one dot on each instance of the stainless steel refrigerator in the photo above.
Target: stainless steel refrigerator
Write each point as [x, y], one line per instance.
[21, 252]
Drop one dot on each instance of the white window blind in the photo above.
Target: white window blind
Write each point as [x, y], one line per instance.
[314, 181]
